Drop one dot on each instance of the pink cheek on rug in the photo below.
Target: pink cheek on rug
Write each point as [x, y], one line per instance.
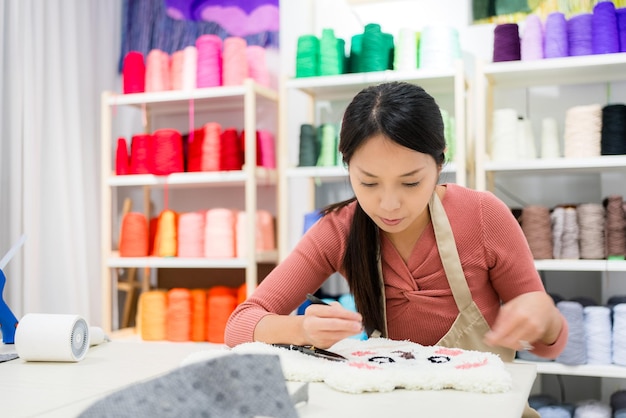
[363, 353]
[471, 365]
[361, 365]
[449, 352]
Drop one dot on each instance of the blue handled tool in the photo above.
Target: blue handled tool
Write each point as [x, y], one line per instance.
[8, 321]
[372, 333]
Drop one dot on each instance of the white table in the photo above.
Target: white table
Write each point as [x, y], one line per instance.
[62, 390]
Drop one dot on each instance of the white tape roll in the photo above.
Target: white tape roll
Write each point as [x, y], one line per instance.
[52, 337]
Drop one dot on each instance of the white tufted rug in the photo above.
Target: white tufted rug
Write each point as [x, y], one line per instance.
[382, 365]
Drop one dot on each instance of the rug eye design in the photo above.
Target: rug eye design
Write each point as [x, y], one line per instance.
[381, 359]
[439, 359]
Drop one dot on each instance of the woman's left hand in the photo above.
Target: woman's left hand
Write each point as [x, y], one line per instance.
[528, 318]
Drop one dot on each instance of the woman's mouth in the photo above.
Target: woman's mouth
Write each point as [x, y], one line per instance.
[391, 222]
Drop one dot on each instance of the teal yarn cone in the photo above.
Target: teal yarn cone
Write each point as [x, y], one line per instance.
[341, 52]
[372, 50]
[332, 55]
[308, 56]
[308, 150]
[328, 142]
[356, 51]
[377, 49]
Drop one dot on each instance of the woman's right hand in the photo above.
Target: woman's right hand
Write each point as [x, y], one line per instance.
[324, 325]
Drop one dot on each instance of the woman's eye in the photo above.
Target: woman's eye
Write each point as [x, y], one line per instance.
[368, 184]
[412, 184]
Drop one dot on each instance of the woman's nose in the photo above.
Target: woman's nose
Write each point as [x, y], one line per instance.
[389, 201]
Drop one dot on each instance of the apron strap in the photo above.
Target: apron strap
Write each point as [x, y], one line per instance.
[383, 298]
[449, 254]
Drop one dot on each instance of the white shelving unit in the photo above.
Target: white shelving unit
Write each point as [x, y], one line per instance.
[244, 100]
[547, 72]
[558, 165]
[344, 87]
[490, 78]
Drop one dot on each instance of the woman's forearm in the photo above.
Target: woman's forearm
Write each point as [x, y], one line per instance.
[274, 329]
[321, 325]
[554, 328]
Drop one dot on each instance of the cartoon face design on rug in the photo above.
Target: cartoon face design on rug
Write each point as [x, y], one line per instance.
[411, 357]
[382, 365]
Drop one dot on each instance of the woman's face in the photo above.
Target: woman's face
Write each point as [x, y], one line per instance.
[393, 184]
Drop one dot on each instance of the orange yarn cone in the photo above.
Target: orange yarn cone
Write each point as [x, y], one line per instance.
[165, 244]
[198, 315]
[221, 303]
[134, 235]
[152, 307]
[178, 315]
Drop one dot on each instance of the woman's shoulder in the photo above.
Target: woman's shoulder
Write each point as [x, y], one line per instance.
[337, 219]
[463, 192]
[341, 214]
[329, 234]
[469, 201]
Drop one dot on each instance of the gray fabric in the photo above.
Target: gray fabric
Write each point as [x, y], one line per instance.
[232, 386]
[7, 357]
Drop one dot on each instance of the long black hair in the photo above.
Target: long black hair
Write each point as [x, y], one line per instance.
[407, 115]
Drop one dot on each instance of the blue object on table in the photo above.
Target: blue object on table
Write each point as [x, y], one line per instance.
[8, 321]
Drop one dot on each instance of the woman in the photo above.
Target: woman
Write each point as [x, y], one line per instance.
[434, 264]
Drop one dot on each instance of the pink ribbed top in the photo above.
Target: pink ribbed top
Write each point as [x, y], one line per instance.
[494, 253]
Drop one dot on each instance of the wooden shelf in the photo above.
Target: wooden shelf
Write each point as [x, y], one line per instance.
[587, 69]
[178, 101]
[590, 370]
[212, 178]
[115, 261]
[493, 79]
[580, 265]
[245, 102]
[559, 165]
[342, 86]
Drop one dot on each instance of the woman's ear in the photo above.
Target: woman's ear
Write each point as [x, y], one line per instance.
[443, 160]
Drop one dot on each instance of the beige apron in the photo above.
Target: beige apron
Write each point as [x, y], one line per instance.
[470, 326]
